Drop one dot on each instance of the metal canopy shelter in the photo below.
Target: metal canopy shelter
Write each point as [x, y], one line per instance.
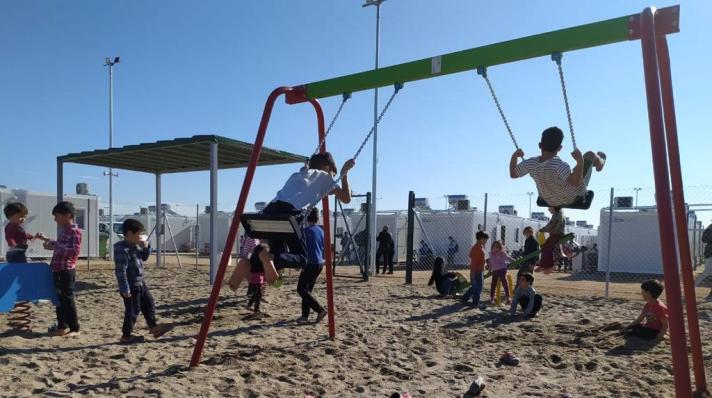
[197, 153]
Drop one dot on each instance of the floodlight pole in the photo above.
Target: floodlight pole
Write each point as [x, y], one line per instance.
[110, 173]
[636, 195]
[374, 179]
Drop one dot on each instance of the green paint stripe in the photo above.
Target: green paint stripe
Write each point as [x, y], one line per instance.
[575, 38]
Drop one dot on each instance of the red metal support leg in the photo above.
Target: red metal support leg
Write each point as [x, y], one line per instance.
[681, 366]
[681, 219]
[327, 233]
[239, 209]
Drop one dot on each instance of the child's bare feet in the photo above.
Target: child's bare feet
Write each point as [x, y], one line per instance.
[599, 161]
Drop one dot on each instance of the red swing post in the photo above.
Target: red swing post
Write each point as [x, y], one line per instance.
[293, 96]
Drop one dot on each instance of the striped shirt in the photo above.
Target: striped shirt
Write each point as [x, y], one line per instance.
[247, 246]
[551, 178]
[66, 248]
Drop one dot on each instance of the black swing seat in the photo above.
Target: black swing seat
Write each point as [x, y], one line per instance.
[272, 226]
[581, 202]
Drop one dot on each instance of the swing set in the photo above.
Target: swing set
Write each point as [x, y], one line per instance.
[651, 27]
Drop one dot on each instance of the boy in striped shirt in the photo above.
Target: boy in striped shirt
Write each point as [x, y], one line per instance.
[557, 184]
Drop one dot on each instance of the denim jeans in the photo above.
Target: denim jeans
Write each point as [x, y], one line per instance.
[475, 289]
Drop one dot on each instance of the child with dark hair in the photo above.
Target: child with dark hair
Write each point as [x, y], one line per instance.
[557, 184]
[64, 260]
[446, 283]
[256, 280]
[303, 189]
[129, 255]
[531, 246]
[15, 235]
[477, 267]
[314, 239]
[655, 314]
[526, 297]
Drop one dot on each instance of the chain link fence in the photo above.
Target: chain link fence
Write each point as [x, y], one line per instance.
[615, 244]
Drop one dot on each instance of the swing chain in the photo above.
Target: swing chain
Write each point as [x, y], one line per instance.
[482, 71]
[397, 87]
[556, 57]
[345, 97]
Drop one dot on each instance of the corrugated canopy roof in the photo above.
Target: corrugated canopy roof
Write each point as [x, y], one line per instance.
[180, 155]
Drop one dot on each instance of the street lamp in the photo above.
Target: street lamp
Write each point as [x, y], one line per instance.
[108, 62]
[374, 178]
[636, 195]
[530, 203]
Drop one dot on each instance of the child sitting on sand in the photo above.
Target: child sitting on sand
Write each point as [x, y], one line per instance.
[446, 283]
[526, 296]
[654, 313]
[497, 263]
[129, 255]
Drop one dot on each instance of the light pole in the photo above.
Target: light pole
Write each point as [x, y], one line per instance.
[108, 62]
[374, 179]
[636, 195]
[530, 203]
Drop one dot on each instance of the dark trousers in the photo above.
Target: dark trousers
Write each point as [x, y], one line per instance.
[547, 250]
[643, 332]
[307, 279]
[140, 301]
[16, 255]
[387, 254]
[255, 291]
[287, 253]
[524, 303]
[66, 310]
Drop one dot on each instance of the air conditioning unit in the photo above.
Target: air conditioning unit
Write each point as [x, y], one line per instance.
[507, 209]
[143, 211]
[624, 202]
[82, 188]
[454, 199]
[364, 207]
[463, 204]
[422, 203]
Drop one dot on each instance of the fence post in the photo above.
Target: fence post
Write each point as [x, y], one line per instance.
[367, 260]
[409, 239]
[608, 243]
[484, 224]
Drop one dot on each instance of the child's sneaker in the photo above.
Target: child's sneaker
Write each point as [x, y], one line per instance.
[159, 330]
[132, 339]
[302, 320]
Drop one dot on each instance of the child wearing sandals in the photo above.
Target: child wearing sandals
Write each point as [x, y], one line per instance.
[655, 314]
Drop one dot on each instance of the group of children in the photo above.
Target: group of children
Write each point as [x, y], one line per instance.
[129, 255]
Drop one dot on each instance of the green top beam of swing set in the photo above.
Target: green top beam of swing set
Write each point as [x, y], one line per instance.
[575, 38]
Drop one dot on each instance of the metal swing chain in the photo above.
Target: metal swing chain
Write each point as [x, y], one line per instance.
[397, 88]
[556, 57]
[345, 98]
[482, 71]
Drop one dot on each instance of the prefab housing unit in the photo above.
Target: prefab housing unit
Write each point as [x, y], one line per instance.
[40, 219]
[635, 241]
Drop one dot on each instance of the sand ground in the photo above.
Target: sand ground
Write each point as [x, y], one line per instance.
[390, 337]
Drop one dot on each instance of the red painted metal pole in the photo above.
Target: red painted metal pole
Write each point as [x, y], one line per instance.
[327, 233]
[239, 209]
[681, 366]
[681, 219]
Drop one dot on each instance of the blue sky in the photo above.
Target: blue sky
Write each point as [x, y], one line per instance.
[207, 67]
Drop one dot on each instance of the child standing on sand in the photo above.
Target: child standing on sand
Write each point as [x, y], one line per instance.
[498, 261]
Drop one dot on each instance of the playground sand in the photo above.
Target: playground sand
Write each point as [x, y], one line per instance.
[391, 337]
